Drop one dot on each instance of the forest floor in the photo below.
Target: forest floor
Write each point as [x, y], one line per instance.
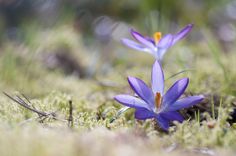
[78, 116]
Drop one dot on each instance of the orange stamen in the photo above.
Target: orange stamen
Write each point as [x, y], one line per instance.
[158, 100]
[157, 37]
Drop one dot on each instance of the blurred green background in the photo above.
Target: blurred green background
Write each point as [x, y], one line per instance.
[45, 40]
[89, 16]
[56, 51]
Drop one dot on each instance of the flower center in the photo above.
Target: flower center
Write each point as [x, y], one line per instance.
[158, 100]
[157, 37]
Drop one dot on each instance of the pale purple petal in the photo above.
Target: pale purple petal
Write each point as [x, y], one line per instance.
[143, 114]
[160, 54]
[157, 78]
[142, 39]
[163, 45]
[131, 101]
[182, 33]
[174, 92]
[142, 90]
[166, 41]
[150, 39]
[186, 102]
[163, 122]
[173, 116]
[135, 45]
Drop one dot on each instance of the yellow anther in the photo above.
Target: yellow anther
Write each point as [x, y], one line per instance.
[158, 100]
[157, 37]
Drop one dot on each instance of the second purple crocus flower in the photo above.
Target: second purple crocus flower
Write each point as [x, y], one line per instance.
[153, 103]
[156, 45]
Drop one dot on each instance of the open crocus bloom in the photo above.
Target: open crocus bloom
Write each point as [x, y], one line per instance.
[153, 103]
[158, 45]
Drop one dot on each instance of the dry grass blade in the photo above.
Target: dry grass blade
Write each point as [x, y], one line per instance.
[121, 111]
[42, 115]
[176, 74]
[21, 102]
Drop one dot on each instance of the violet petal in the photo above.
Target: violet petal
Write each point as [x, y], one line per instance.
[157, 78]
[142, 90]
[163, 122]
[131, 101]
[182, 33]
[143, 114]
[135, 45]
[164, 44]
[173, 93]
[185, 102]
[142, 39]
[173, 116]
[150, 39]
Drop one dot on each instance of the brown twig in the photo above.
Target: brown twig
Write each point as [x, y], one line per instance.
[70, 119]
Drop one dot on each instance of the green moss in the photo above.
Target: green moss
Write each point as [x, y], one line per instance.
[92, 133]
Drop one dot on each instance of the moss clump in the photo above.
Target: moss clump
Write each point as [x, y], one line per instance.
[23, 133]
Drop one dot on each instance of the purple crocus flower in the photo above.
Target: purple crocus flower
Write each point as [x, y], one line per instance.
[153, 103]
[158, 45]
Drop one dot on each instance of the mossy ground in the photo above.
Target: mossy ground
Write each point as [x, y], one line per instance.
[22, 71]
